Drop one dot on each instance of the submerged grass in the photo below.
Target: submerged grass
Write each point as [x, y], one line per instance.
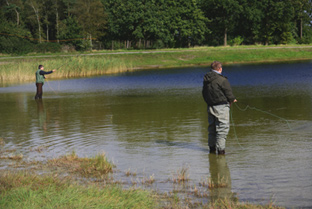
[99, 63]
[225, 203]
[13, 156]
[2, 143]
[220, 182]
[26, 189]
[97, 166]
[181, 175]
[9, 154]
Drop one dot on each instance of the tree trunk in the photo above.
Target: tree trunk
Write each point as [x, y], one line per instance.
[57, 22]
[68, 9]
[17, 13]
[17, 17]
[90, 42]
[301, 28]
[38, 19]
[225, 37]
[47, 32]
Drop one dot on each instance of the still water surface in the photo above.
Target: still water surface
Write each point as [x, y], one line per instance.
[155, 122]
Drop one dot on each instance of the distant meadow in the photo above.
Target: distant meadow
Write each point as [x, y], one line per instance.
[22, 69]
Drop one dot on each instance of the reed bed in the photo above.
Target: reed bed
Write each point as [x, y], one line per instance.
[69, 67]
[101, 63]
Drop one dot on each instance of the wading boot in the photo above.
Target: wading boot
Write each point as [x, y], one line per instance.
[212, 150]
[221, 152]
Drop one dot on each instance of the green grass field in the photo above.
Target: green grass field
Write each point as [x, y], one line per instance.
[22, 69]
[24, 190]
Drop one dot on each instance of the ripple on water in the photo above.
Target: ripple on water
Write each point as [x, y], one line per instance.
[155, 122]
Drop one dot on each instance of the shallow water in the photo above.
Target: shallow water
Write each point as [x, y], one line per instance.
[155, 122]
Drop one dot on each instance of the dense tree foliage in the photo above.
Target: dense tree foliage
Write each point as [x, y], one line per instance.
[30, 25]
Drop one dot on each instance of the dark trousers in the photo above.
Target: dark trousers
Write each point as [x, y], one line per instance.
[39, 91]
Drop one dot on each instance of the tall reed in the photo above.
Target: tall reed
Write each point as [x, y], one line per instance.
[78, 66]
[106, 63]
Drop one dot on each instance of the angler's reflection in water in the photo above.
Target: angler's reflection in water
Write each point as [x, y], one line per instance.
[220, 178]
[42, 115]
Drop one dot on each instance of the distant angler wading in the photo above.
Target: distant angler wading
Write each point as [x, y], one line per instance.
[40, 80]
[218, 95]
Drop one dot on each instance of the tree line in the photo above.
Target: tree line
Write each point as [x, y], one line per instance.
[39, 25]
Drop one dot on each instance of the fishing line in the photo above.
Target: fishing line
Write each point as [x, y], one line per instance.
[262, 111]
[234, 129]
[256, 109]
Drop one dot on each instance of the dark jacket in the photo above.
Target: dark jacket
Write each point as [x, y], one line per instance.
[217, 89]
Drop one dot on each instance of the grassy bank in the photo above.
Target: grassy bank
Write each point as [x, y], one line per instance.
[24, 190]
[28, 190]
[73, 182]
[17, 69]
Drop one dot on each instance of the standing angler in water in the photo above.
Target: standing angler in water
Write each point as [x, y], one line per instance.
[218, 95]
[40, 80]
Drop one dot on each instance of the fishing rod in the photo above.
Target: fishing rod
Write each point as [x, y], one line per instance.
[76, 56]
[59, 68]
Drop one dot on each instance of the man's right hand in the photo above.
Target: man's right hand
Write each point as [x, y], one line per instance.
[235, 100]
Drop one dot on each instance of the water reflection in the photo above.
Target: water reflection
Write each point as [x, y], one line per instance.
[221, 184]
[42, 115]
[156, 122]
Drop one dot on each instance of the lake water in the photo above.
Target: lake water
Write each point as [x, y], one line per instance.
[155, 123]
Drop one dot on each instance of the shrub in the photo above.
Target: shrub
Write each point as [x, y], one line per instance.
[236, 41]
[158, 44]
[15, 45]
[48, 47]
